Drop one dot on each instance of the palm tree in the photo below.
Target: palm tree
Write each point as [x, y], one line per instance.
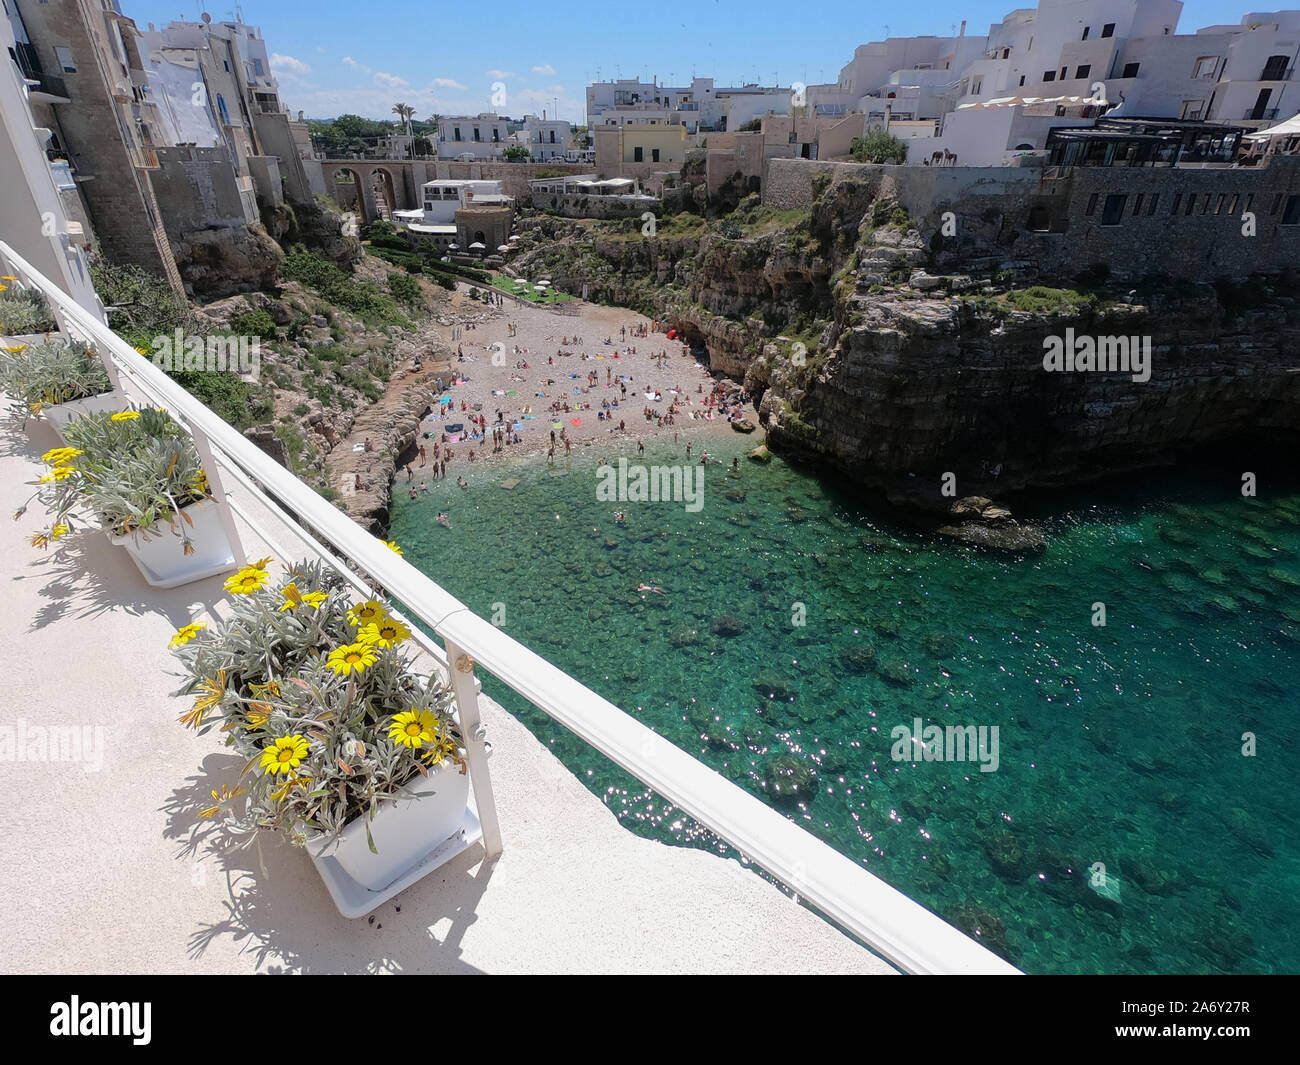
[404, 112]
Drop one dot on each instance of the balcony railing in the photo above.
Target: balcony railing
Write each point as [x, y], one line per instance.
[47, 84]
[1258, 114]
[890, 923]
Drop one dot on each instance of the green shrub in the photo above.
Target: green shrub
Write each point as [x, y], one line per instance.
[363, 298]
[405, 289]
[23, 311]
[253, 324]
[878, 147]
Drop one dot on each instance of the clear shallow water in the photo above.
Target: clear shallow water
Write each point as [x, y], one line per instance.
[1120, 744]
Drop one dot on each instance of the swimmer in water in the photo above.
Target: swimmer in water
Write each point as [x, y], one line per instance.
[620, 517]
[462, 482]
[442, 519]
[650, 588]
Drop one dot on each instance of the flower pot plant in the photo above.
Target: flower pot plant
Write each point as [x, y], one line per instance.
[61, 381]
[347, 750]
[138, 474]
[23, 311]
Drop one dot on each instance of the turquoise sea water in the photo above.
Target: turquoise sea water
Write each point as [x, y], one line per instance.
[1119, 745]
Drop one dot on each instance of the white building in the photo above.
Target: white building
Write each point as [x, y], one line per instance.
[440, 200]
[484, 136]
[34, 216]
[545, 139]
[1064, 63]
[700, 106]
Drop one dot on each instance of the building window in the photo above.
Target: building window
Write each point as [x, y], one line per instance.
[258, 70]
[456, 133]
[1049, 75]
[1108, 30]
[1063, 70]
[654, 155]
[1130, 70]
[66, 63]
[1151, 207]
[221, 109]
[1191, 203]
[552, 136]
[638, 154]
[1205, 207]
[1250, 201]
[1137, 204]
[1114, 209]
[1291, 216]
[1206, 65]
[496, 136]
[1092, 204]
[1178, 198]
[977, 85]
[1086, 29]
[1218, 207]
[1277, 202]
[1022, 79]
[1082, 72]
[477, 135]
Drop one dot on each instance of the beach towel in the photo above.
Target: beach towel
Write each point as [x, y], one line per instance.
[556, 425]
[650, 396]
[445, 401]
[459, 427]
[358, 447]
[518, 427]
[453, 438]
[497, 392]
[575, 421]
[510, 393]
[529, 417]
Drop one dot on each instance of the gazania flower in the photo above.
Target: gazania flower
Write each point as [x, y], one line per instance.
[186, 633]
[386, 633]
[59, 473]
[213, 690]
[442, 748]
[126, 416]
[351, 658]
[271, 689]
[363, 614]
[61, 456]
[284, 755]
[248, 580]
[393, 547]
[281, 792]
[59, 531]
[16, 349]
[141, 351]
[257, 714]
[7, 277]
[413, 728]
[222, 797]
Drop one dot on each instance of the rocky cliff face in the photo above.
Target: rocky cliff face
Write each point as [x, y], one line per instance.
[867, 358]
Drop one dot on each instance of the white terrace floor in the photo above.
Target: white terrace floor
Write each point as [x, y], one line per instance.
[98, 874]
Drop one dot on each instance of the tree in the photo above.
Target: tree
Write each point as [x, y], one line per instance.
[404, 113]
[517, 153]
[878, 147]
[752, 126]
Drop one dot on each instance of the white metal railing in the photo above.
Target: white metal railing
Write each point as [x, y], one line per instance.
[893, 925]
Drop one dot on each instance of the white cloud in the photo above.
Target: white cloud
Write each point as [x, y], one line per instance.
[545, 70]
[501, 74]
[390, 81]
[448, 83]
[350, 61]
[287, 64]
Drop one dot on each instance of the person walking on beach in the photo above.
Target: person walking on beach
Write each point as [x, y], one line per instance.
[421, 454]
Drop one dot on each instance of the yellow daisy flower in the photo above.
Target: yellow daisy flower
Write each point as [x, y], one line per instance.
[257, 714]
[248, 580]
[271, 689]
[284, 755]
[59, 531]
[351, 658]
[7, 277]
[442, 748]
[59, 473]
[222, 797]
[186, 633]
[386, 633]
[213, 691]
[142, 351]
[281, 792]
[61, 456]
[363, 614]
[393, 547]
[413, 728]
[16, 349]
[126, 416]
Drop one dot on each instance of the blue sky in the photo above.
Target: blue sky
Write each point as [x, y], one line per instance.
[333, 57]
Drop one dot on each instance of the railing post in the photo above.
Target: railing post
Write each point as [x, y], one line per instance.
[473, 732]
[224, 511]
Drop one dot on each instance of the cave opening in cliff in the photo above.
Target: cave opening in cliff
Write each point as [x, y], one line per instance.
[694, 339]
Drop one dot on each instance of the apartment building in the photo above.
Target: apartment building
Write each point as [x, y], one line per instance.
[545, 139]
[484, 136]
[700, 107]
[101, 119]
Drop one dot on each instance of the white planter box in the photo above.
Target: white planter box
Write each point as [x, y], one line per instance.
[406, 831]
[61, 413]
[159, 552]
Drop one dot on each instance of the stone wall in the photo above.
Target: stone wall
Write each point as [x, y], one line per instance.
[196, 189]
[1050, 223]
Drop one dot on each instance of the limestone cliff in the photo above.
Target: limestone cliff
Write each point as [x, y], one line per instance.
[867, 358]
